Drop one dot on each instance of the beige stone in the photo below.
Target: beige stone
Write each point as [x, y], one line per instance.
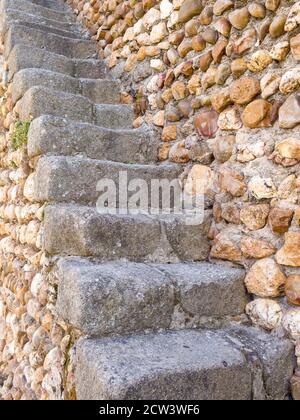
[262, 188]
[259, 61]
[293, 19]
[230, 119]
[255, 216]
[244, 90]
[272, 5]
[256, 248]
[280, 51]
[159, 119]
[158, 33]
[166, 8]
[231, 213]
[189, 9]
[223, 148]
[245, 42]
[178, 153]
[223, 26]
[290, 81]
[292, 289]
[221, 100]
[269, 85]
[194, 85]
[289, 255]
[222, 74]
[295, 47]
[179, 90]
[265, 313]
[239, 67]
[289, 148]
[169, 133]
[240, 18]
[257, 114]
[257, 10]
[280, 220]
[265, 279]
[291, 323]
[277, 26]
[221, 6]
[199, 180]
[225, 248]
[206, 16]
[232, 181]
[185, 47]
[289, 113]
[198, 43]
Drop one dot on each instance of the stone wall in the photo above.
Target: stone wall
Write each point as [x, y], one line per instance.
[219, 80]
[34, 345]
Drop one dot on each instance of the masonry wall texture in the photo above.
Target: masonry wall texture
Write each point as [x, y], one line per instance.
[218, 81]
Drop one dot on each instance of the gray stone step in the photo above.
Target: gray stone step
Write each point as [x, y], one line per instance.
[58, 136]
[99, 91]
[23, 57]
[51, 4]
[125, 298]
[11, 16]
[185, 365]
[85, 232]
[72, 48]
[35, 9]
[39, 101]
[60, 179]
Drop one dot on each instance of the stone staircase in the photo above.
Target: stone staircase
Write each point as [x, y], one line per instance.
[135, 285]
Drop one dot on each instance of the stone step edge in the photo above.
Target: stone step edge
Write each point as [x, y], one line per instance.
[126, 298]
[237, 363]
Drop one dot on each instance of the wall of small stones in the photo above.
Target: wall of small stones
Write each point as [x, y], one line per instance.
[34, 345]
[219, 81]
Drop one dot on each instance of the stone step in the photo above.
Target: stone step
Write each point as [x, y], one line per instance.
[99, 91]
[39, 101]
[124, 298]
[51, 4]
[11, 16]
[72, 48]
[234, 364]
[23, 57]
[60, 179]
[35, 9]
[58, 136]
[83, 231]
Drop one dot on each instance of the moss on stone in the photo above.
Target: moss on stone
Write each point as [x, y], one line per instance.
[20, 136]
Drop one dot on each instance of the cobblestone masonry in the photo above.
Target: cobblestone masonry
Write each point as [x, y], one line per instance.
[217, 83]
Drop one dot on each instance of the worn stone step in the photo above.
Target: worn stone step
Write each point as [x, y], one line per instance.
[85, 232]
[11, 16]
[35, 9]
[99, 91]
[236, 364]
[39, 101]
[51, 4]
[72, 48]
[125, 298]
[58, 136]
[61, 179]
[23, 57]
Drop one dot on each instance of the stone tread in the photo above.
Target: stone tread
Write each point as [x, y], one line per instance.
[99, 91]
[132, 237]
[122, 297]
[72, 48]
[75, 179]
[58, 136]
[11, 16]
[39, 101]
[183, 365]
[24, 57]
[35, 9]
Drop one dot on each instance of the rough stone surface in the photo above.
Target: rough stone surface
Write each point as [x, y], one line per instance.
[265, 279]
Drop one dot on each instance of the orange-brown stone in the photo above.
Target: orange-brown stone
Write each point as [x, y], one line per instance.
[242, 91]
[292, 289]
